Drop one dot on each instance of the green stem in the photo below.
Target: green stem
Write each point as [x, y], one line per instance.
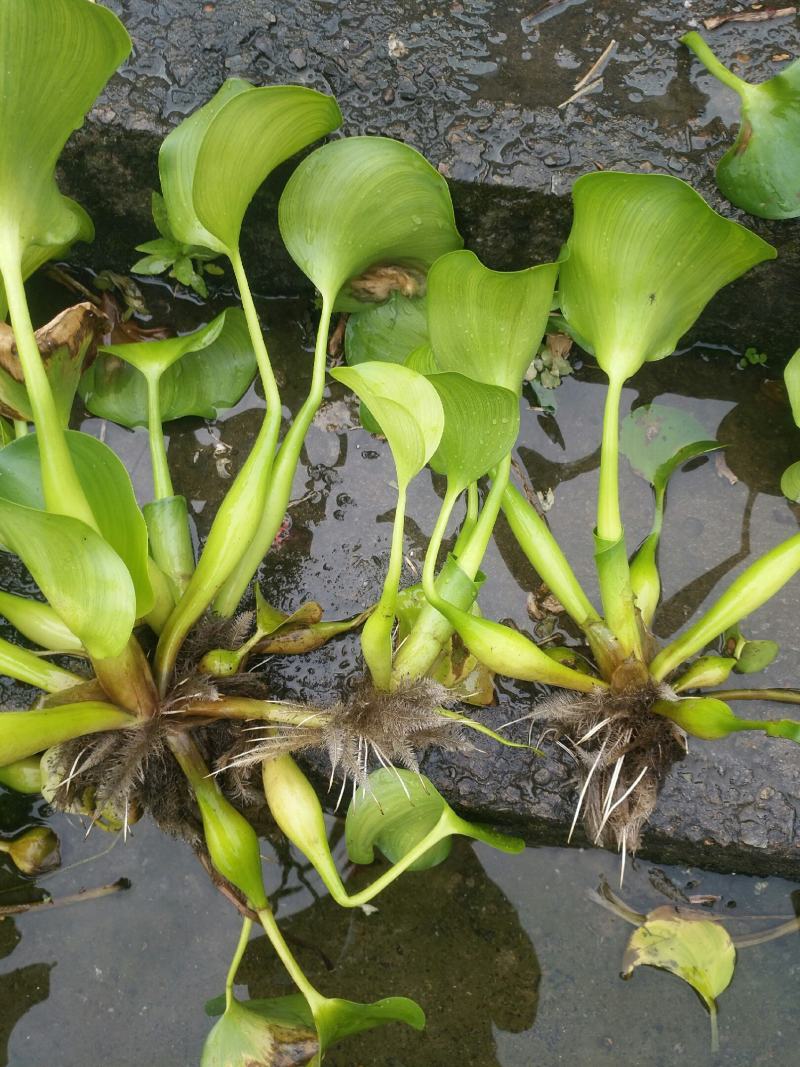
[696, 44]
[239, 515]
[431, 631]
[609, 521]
[63, 493]
[25, 666]
[435, 543]
[244, 937]
[267, 919]
[162, 482]
[21, 428]
[536, 540]
[280, 488]
[780, 696]
[249, 708]
[749, 591]
[376, 637]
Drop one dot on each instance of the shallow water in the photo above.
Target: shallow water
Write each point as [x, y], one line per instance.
[512, 962]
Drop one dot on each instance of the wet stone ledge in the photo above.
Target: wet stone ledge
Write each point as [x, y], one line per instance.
[474, 84]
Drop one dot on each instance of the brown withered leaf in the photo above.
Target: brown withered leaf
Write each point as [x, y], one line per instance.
[67, 344]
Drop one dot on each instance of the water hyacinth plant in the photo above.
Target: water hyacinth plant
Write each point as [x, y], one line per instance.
[166, 719]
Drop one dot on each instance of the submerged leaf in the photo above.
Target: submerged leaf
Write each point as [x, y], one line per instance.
[658, 438]
[697, 950]
[646, 254]
[761, 171]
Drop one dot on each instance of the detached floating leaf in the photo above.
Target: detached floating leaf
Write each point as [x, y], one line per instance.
[488, 324]
[761, 172]
[66, 344]
[694, 948]
[200, 373]
[387, 332]
[646, 254]
[398, 811]
[364, 201]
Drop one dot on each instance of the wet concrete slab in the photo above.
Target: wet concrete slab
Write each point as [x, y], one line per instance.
[478, 86]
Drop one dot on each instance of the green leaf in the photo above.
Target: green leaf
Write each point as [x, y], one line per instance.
[183, 270]
[213, 163]
[363, 201]
[694, 948]
[161, 247]
[481, 423]
[792, 378]
[790, 482]
[760, 173]
[200, 373]
[646, 254]
[406, 406]
[755, 656]
[262, 1034]
[152, 264]
[488, 324]
[110, 495]
[657, 439]
[398, 810]
[337, 1019]
[57, 56]
[386, 332]
[158, 206]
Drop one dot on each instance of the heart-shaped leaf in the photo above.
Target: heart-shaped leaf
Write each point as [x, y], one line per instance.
[213, 163]
[481, 423]
[646, 254]
[386, 332]
[406, 406]
[363, 201]
[488, 324]
[399, 811]
[57, 56]
[760, 173]
[109, 493]
[790, 482]
[198, 373]
[694, 948]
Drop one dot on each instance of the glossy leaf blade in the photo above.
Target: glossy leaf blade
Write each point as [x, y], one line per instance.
[481, 423]
[202, 376]
[250, 135]
[108, 490]
[488, 324]
[386, 332]
[57, 56]
[363, 201]
[646, 254]
[406, 406]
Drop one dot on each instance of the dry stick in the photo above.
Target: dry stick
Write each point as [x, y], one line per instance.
[60, 902]
[749, 16]
[597, 68]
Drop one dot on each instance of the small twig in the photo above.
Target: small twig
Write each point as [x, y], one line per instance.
[749, 16]
[588, 88]
[60, 902]
[598, 67]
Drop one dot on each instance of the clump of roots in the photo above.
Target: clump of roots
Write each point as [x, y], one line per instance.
[369, 727]
[622, 750]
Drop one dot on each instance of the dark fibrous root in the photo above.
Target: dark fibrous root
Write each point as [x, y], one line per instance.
[369, 728]
[622, 751]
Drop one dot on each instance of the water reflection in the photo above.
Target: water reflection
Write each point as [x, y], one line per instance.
[448, 937]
